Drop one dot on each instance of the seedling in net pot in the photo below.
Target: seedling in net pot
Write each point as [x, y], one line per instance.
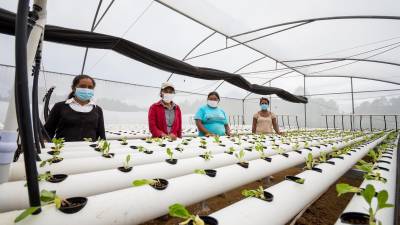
[178, 210]
[159, 184]
[240, 157]
[260, 149]
[280, 151]
[49, 161]
[124, 141]
[230, 151]
[58, 144]
[126, 161]
[368, 194]
[217, 139]
[105, 149]
[207, 155]
[203, 144]
[258, 193]
[370, 172]
[323, 157]
[310, 162]
[170, 155]
[50, 197]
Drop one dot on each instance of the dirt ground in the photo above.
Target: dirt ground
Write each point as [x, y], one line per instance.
[324, 211]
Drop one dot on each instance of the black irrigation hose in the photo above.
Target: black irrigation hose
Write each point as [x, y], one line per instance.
[22, 103]
[397, 202]
[35, 101]
[46, 100]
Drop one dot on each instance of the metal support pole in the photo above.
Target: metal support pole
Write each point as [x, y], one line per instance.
[288, 120]
[283, 122]
[243, 112]
[334, 122]
[351, 122]
[370, 122]
[360, 122]
[297, 123]
[342, 122]
[352, 100]
[395, 118]
[305, 105]
[326, 121]
[384, 120]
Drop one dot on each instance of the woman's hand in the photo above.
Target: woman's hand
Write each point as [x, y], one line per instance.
[281, 133]
[172, 136]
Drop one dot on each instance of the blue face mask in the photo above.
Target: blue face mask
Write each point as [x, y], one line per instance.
[84, 94]
[264, 106]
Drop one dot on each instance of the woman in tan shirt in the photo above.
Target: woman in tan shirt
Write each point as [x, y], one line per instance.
[264, 120]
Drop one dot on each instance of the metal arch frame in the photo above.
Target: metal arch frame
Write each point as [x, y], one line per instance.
[194, 48]
[248, 64]
[319, 19]
[211, 28]
[355, 77]
[91, 30]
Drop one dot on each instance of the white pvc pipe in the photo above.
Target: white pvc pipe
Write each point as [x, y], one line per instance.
[358, 204]
[14, 196]
[82, 165]
[140, 204]
[289, 197]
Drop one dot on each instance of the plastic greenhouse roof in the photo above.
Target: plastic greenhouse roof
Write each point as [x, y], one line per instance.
[359, 38]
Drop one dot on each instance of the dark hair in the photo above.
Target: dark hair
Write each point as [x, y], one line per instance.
[264, 99]
[76, 81]
[213, 93]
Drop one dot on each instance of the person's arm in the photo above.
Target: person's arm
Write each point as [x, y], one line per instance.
[52, 120]
[152, 117]
[226, 125]
[227, 130]
[275, 125]
[253, 127]
[201, 128]
[100, 127]
[179, 114]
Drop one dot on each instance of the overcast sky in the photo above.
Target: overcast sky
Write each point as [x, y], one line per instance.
[159, 28]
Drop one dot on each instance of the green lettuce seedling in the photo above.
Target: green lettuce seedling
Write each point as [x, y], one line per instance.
[178, 210]
[343, 188]
[126, 161]
[368, 194]
[141, 182]
[46, 197]
[310, 161]
[50, 161]
[170, 153]
[141, 148]
[87, 139]
[124, 141]
[260, 149]
[217, 139]
[323, 157]
[231, 150]
[200, 171]
[240, 156]
[58, 144]
[207, 155]
[203, 143]
[257, 193]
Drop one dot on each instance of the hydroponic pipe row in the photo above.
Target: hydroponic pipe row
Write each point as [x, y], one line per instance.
[140, 204]
[359, 205]
[289, 197]
[84, 165]
[86, 151]
[13, 195]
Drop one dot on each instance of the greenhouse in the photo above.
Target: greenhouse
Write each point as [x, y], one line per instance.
[156, 112]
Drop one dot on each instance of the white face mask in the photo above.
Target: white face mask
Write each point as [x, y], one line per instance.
[167, 97]
[213, 104]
